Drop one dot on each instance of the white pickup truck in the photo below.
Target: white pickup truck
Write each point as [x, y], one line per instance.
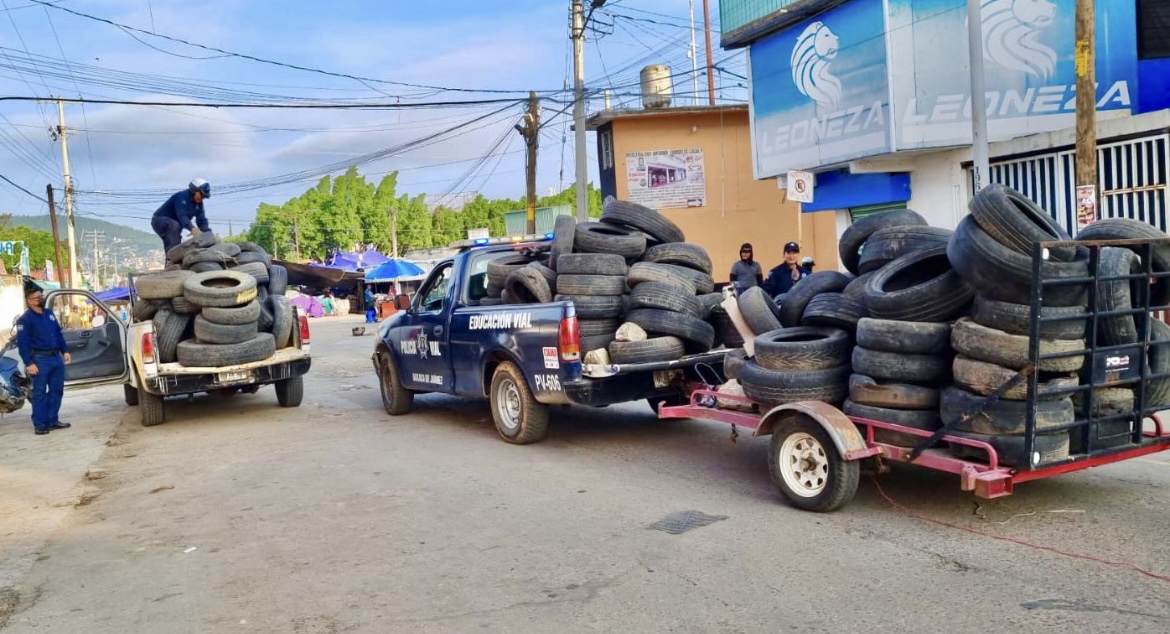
[119, 352]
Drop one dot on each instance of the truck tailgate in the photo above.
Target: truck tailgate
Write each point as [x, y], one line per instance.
[282, 356]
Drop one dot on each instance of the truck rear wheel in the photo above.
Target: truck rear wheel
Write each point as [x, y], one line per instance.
[396, 399]
[151, 406]
[518, 417]
[290, 391]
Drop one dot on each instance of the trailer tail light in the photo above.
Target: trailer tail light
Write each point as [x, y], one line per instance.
[304, 322]
[148, 348]
[569, 340]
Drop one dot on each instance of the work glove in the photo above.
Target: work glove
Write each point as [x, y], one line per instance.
[195, 232]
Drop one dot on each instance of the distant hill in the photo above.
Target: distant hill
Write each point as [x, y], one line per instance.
[141, 240]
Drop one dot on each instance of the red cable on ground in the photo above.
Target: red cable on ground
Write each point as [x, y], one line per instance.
[1021, 542]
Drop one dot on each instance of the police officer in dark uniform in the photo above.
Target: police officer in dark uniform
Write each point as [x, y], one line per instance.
[788, 273]
[183, 210]
[42, 348]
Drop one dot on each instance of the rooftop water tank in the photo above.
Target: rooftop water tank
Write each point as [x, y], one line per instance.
[656, 87]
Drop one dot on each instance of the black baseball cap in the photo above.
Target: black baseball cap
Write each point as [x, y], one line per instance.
[792, 247]
[747, 246]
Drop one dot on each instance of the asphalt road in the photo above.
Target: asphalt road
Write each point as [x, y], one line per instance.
[239, 516]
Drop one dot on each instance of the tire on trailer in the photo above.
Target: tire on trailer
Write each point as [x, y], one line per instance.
[924, 369]
[190, 245]
[220, 289]
[1119, 295]
[685, 254]
[904, 336]
[396, 399]
[997, 272]
[803, 291]
[1001, 417]
[1016, 222]
[1010, 449]
[864, 390]
[277, 280]
[168, 332]
[528, 286]
[1129, 229]
[564, 231]
[592, 264]
[1107, 401]
[666, 297]
[165, 285]
[854, 237]
[599, 237]
[776, 387]
[210, 332]
[653, 349]
[500, 268]
[919, 286]
[855, 290]
[758, 310]
[282, 321]
[247, 313]
[982, 378]
[733, 362]
[887, 245]
[925, 420]
[257, 270]
[1158, 390]
[1015, 319]
[594, 306]
[708, 302]
[650, 222]
[193, 354]
[698, 334]
[1011, 351]
[833, 310]
[519, 418]
[803, 349]
[805, 466]
[572, 284]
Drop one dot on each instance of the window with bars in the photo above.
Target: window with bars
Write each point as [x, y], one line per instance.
[607, 149]
[1153, 26]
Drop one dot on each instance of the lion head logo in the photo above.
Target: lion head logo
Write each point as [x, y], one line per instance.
[1010, 32]
[811, 57]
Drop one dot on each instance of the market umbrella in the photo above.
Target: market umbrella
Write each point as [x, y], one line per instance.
[392, 270]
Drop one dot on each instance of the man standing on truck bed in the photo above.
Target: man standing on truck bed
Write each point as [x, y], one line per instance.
[183, 210]
[42, 346]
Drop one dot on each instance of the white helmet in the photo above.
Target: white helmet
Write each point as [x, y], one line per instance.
[202, 186]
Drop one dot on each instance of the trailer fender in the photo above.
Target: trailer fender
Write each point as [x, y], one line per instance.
[848, 440]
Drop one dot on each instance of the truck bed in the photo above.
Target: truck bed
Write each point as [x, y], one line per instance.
[286, 355]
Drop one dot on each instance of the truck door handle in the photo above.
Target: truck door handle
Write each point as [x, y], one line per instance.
[437, 331]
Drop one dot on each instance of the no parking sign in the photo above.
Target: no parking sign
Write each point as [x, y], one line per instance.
[800, 186]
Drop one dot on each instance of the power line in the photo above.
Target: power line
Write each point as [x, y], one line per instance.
[282, 106]
[9, 181]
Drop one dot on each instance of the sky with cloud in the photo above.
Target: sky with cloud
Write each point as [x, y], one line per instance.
[125, 159]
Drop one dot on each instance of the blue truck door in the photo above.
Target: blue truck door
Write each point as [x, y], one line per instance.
[422, 335]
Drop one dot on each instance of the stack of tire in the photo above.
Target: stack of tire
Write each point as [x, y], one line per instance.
[217, 304]
[805, 363]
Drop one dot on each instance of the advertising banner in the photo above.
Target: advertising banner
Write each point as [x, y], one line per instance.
[819, 90]
[666, 178]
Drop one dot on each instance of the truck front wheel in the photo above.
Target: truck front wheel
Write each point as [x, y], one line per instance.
[151, 406]
[396, 399]
[518, 417]
[290, 391]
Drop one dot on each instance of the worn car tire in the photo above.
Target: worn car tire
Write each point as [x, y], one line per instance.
[223, 253]
[528, 286]
[692, 256]
[854, 237]
[925, 420]
[698, 334]
[204, 267]
[1107, 401]
[256, 269]
[144, 309]
[776, 387]
[983, 378]
[919, 286]
[251, 246]
[594, 306]
[210, 355]
[1011, 351]
[666, 297]
[564, 231]
[1015, 318]
[864, 390]
[571, 284]
[832, 310]
[181, 305]
[282, 321]
[600, 237]
[758, 310]
[924, 369]
[913, 337]
[596, 342]
[264, 321]
[725, 329]
[733, 362]
[594, 327]
[803, 291]
[996, 271]
[644, 219]
[891, 243]
[190, 245]
[654, 272]
[500, 268]
[855, 289]
[1158, 390]
[650, 350]
[1129, 229]
[1119, 295]
[1000, 417]
[165, 285]
[1051, 447]
[708, 302]
[210, 332]
[254, 257]
[549, 275]
[247, 313]
[592, 264]
[803, 348]
[1016, 222]
[168, 332]
[277, 279]
[220, 288]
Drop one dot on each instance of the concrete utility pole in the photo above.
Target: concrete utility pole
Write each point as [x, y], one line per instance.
[1086, 65]
[694, 58]
[98, 237]
[531, 133]
[579, 110]
[56, 235]
[710, 64]
[69, 226]
[980, 153]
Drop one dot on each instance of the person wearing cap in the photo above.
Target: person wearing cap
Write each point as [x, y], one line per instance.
[746, 272]
[789, 272]
[42, 348]
[183, 210]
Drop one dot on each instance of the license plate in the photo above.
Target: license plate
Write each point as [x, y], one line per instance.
[233, 377]
[664, 378]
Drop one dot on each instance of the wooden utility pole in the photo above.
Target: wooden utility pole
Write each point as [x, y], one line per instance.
[710, 64]
[56, 236]
[1086, 66]
[531, 133]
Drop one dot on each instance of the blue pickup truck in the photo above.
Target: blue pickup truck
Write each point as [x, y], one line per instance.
[523, 358]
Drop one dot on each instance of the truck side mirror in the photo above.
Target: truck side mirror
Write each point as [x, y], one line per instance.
[402, 302]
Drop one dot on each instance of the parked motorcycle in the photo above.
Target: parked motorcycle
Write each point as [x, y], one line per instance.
[15, 385]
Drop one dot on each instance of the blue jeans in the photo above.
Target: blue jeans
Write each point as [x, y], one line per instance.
[371, 316]
[47, 390]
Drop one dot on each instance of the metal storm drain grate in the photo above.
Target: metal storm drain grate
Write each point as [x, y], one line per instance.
[683, 521]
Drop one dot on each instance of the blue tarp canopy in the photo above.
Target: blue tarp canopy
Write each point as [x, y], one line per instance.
[392, 270]
[120, 293]
[356, 261]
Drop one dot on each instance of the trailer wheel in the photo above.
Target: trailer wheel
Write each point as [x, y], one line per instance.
[396, 399]
[518, 417]
[807, 469]
[152, 410]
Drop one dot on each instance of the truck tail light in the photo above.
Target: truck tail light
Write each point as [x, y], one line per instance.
[304, 323]
[570, 340]
[148, 348]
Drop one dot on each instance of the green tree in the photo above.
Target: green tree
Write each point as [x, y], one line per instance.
[446, 226]
[377, 219]
[39, 244]
[414, 223]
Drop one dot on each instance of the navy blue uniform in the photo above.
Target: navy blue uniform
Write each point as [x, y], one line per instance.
[780, 279]
[40, 341]
[179, 212]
